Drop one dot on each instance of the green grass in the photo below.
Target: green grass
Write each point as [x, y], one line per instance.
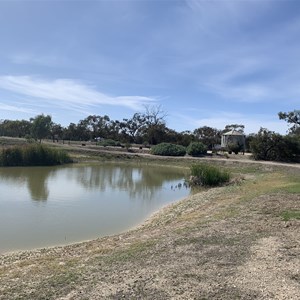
[32, 155]
[208, 175]
[290, 215]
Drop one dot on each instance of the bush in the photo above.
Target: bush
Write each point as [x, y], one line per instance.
[196, 149]
[267, 145]
[167, 149]
[206, 175]
[234, 147]
[109, 142]
[33, 155]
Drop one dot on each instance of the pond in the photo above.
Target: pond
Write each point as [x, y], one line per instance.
[49, 206]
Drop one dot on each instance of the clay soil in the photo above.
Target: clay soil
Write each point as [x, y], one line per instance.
[240, 241]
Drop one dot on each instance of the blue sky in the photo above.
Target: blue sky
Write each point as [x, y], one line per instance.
[205, 62]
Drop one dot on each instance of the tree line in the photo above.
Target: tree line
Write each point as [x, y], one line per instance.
[149, 128]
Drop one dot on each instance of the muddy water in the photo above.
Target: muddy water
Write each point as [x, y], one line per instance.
[48, 206]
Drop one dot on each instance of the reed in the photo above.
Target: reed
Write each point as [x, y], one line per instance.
[33, 155]
[207, 175]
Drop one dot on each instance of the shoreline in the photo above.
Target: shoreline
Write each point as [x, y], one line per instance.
[216, 244]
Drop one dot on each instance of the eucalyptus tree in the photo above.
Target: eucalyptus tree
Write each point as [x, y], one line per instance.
[96, 126]
[155, 121]
[15, 128]
[237, 127]
[208, 136]
[293, 118]
[56, 131]
[132, 129]
[41, 126]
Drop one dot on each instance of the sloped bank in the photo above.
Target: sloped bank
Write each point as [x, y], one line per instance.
[225, 243]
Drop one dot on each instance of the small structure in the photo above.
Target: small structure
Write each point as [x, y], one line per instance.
[233, 137]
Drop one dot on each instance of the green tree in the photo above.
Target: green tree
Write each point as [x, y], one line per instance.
[15, 128]
[41, 126]
[208, 136]
[268, 145]
[56, 131]
[237, 127]
[293, 118]
[155, 122]
[132, 128]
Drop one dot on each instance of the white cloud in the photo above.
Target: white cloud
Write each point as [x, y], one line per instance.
[13, 108]
[68, 93]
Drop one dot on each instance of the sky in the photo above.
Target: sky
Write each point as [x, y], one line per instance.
[205, 63]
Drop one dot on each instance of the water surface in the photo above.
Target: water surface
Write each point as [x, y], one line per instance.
[47, 206]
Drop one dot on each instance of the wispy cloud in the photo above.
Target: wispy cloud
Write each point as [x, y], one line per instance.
[12, 108]
[68, 93]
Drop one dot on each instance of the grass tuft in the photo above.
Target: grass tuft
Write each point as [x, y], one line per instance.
[208, 175]
[33, 155]
[290, 214]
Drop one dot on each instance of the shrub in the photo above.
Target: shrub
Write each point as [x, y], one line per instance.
[196, 149]
[207, 175]
[167, 149]
[109, 142]
[33, 155]
[234, 147]
[267, 145]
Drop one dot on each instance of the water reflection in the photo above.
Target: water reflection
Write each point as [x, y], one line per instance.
[140, 182]
[34, 178]
[80, 202]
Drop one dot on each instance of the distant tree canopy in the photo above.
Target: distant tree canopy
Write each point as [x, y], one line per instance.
[41, 126]
[268, 145]
[208, 136]
[149, 128]
[236, 127]
[293, 118]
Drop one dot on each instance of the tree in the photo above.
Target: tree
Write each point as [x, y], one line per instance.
[184, 138]
[155, 124]
[15, 128]
[268, 145]
[208, 136]
[41, 126]
[133, 127]
[56, 131]
[293, 118]
[237, 127]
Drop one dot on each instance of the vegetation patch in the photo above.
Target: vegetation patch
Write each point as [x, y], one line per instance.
[196, 149]
[208, 175]
[290, 214]
[167, 149]
[135, 251]
[109, 143]
[33, 155]
[268, 145]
